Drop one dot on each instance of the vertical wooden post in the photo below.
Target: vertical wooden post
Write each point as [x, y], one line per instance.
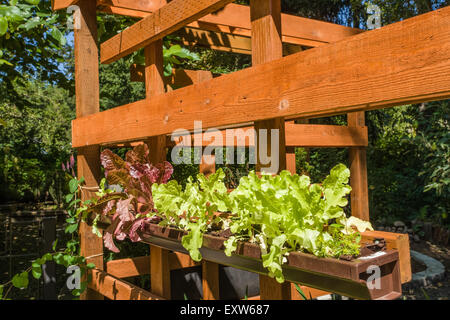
[267, 46]
[154, 85]
[87, 102]
[291, 159]
[358, 172]
[208, 163]
[210, 280]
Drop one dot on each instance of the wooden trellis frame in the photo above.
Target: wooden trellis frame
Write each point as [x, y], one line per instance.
[407, 62]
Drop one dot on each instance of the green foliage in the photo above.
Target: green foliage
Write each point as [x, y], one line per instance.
[34, 141]
[193, 209]
[287, 213]
[283, 213]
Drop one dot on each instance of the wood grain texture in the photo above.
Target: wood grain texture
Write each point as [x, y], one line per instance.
[62, 4]
[297, 135]
[116, 289]
[270, 289]
[137, 5]
[164, 21]
[154, 86]
[358, 172]
[395, 241]
[231, 42]
[178, 79]
[406, 62]
[87, 102]
[265, 16]
[131, 267]
[160, 272]
[291, 159]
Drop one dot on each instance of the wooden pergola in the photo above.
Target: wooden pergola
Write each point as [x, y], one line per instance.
[302, 69]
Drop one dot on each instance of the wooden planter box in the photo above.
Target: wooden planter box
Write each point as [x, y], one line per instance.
[348, 278]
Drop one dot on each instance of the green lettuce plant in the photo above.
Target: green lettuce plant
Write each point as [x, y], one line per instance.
[287, 213]
[194, 208]
[282, 214]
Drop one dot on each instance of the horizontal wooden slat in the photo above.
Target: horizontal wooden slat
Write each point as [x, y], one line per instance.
[406, 62]
[297, 135]
[116, 289]
[313, 135]
[132, 267]
[135, 5]
[179, 78]
[62, 4]
[180, 260]
[169, 18]
[395, 241]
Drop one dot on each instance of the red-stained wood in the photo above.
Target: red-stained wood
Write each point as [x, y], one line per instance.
[229, 42]
[291, 164]
[116, 289]
[210, 280]
[358, 172]
[310, 293]
[146, 6]
[332, 79]
[154, 86]
[394, 241]
[265, 18]
[160, 272]
[164, 21]
[179, 78]
[132, 267]
[233, 24]
[270, 289]
[62, 4]
[87, 102]
[297, 135]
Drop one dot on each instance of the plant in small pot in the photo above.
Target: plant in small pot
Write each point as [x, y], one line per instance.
[281, 214]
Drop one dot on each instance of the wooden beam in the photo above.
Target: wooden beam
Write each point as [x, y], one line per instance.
[409, 62]
[132, 267]
[62, 4]
[146, 6]
[154, 87]
[328, 136]
[358, 172]
[227, 42]
[116, 289]
[210, 280]
[87, 102]
[179, 78]
[270, 289]
[265, 16]
[160, 272]
[164, 21]
[234, 20]
[297, 135]
[395, 241]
